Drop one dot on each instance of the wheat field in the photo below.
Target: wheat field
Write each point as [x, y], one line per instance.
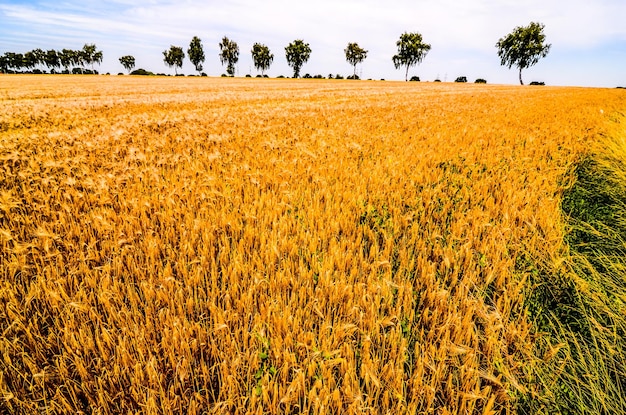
[254, 246]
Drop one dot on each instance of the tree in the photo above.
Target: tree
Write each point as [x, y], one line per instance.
[14, 61]
[174, 57]
[411, 51]
[66, 57]
[90, 55]
[4, 63]
[262, 57]
[297, 53]
[229, 54]
[52, 59]
[30, 60]
[523, 47]
[78, 60]
[196, 53]
[97, 58]
[355, 55]
[40, 56]
[128, 62]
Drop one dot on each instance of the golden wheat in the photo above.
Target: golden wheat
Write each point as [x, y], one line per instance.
[174, 245]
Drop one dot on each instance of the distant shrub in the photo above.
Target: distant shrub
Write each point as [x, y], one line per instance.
[83, 71]
[338, 76]
[203, 74]
[415, 79]
[461, 79]
[382, 79]
[265, 76]
[307, 76]
[248, 76]
[437, 80]
[120, 73]
[538, 83]
[180, 74]
[356, 77]
[330, 76]
[141, 71]
[480, 81]
[259, 76]
[621, 87]
[318, 76]
[280, 76]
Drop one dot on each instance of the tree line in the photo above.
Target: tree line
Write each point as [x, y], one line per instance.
[523, 47]
[411, 50]
[52, 59]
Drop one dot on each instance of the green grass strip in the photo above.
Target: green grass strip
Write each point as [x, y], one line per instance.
[580, 313]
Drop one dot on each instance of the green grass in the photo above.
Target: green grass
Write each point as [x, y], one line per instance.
[579, 310]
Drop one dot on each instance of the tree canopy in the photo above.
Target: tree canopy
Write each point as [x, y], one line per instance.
[262, 57]
[30, 60]
[297, 54]
[52, 59]
[523, 47]
[128, 62]
[411, 51]
[4, 63]
[229, 54]
[355, 55]
[38, 57]
[196, 53]
[173, 57]
[67, 58]
[89, 55]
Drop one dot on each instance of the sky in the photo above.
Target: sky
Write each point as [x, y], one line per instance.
[588, 37]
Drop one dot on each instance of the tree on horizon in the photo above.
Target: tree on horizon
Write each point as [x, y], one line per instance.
[262, 57]
[411, 51]
[173, 57]
[297, 54]
[128, 62]
[229, 54]
[52, 59]
[523, 47]
[355, 55]
[196, 53]
[66, 57]
[90, 55]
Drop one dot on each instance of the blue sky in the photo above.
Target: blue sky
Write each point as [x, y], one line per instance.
[588, 37]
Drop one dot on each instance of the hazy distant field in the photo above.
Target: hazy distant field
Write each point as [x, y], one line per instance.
[197, 245]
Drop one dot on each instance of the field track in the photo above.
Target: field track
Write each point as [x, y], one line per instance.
[199, 245]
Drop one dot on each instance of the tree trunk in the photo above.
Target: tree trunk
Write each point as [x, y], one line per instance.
[520, 77]
[406, 75]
